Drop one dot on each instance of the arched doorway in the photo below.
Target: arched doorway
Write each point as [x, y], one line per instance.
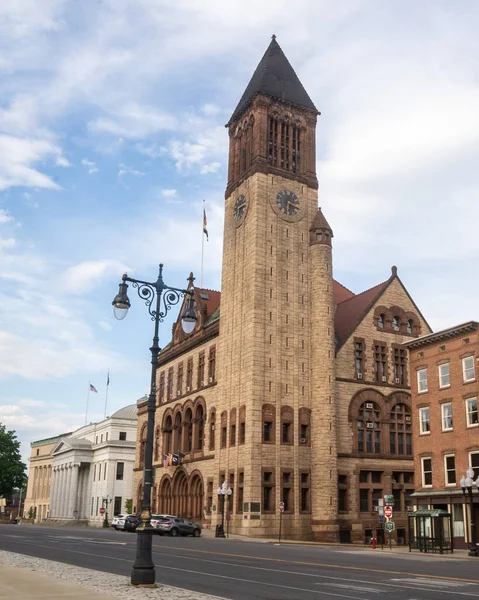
[180, 494]
[164, 505]
[196, 497]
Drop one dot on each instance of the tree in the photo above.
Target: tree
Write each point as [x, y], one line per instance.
[129, 505]
[12, 469]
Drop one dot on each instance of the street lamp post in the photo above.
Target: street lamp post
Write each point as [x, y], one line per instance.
[143, 572]
[106, 501]
[223, 492]
[467, 483]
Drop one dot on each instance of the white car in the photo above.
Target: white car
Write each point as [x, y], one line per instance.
[118, 521]
[157, 519]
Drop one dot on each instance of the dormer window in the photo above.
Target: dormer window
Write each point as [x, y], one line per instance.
[409, 326]
[395, 323]
[381, 321]
[319, 236]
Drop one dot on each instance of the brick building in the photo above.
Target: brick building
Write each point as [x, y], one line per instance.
[445, 393]
[295, 389]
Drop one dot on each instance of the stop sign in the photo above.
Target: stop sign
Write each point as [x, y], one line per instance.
[388, 512]
[102, 511]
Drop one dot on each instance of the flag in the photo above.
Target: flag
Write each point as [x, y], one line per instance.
[93, 389]
[165, 460]
[108, 378]
[205, 231]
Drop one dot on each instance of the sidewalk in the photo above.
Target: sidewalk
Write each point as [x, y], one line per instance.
[22, 584]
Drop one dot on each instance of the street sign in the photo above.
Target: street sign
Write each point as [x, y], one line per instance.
[381, 511]
[102, 511]
[281, 507]
[389, 500]
[388, 512]
[390, 526]
[381, 518]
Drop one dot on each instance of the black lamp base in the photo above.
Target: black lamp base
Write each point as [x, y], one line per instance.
[143, 572]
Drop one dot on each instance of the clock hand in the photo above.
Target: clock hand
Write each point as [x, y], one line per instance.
[292, 204]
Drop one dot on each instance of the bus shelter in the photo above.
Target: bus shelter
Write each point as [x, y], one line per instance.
[430, 531]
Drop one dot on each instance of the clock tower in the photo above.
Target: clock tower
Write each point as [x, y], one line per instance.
[276, 297]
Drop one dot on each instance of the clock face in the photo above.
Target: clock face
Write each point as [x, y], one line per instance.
[287, 203]
[239, 209]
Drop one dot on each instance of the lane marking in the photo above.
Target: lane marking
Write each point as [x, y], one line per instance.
[328, 565]
[198, 573]
[355, 588]
[414, 586]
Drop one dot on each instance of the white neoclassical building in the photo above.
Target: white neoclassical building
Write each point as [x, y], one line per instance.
[92, 463]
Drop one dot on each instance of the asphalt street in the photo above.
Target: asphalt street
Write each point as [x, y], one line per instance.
[243, 570]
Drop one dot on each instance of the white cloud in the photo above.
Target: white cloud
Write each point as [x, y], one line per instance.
[165, 193]
[134, 121]
[90, 165]
[5, 217]
[210, 168]
[85, 276]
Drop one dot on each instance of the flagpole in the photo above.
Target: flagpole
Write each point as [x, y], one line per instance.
[202, 243]
[87, 400]
[107, 386]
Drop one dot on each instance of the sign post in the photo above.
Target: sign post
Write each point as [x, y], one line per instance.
[281, 511]
[390, 526]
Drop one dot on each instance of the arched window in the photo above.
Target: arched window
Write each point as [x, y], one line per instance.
[157, 443]
[188, 430]
[178, 433]
[304, 418]
[381, 320]
[369, 428]
[400, 436]
[409, 326]
[233, 427]
[242, 425]
[167, 434]
[212, 429]
[395, 323]
[224, 429]
[142, 446]
[200, 427]
[269, 424]
[287, 425]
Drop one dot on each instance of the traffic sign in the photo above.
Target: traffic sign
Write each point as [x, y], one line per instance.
[388, 512]
[390, 526]
[281, 507]
[102, 511]
[389, 500]
[381, 518]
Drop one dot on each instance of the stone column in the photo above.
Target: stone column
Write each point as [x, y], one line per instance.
[61, 500]
[73, 490]
[53, 492]
[66, 512]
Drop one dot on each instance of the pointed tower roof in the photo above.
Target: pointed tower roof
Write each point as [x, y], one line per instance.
[275, 77]
[320, 221]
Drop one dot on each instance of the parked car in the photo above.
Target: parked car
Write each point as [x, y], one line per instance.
[132, 522]
[118, 521]
[155, 519]
[178, 526]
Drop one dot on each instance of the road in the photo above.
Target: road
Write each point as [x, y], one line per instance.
[243, 570]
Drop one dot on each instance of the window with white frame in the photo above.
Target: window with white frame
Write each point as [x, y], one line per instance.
[426, 467]
[424, 420]
[444, 379]
[446, 414]
[422, 380]
[468, 369]
[472, 417]
[474, 462]
[450, 469]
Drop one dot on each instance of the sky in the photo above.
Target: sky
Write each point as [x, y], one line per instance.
[112, 117]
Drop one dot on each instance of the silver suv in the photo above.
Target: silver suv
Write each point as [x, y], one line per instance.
[175, 526]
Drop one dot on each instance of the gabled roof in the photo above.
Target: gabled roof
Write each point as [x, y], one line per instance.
[341, 293]
[70, 443]
[350, 312]
[274, 77]
[210, 299]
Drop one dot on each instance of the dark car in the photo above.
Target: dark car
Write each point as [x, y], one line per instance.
[132, 522]
[177, 526]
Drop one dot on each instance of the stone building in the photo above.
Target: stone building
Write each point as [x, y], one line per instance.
[39, 483]
[71, 474]
[445, 392]
[296, 390]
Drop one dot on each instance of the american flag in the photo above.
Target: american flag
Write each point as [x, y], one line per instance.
[93, 389]
[165, 460]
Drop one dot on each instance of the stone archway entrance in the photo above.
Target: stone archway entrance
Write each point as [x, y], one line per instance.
[180, 494]
[165, 500]
[196, 497]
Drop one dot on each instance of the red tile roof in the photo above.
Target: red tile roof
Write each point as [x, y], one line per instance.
[212, 302]
[350, 312]
[341, 293]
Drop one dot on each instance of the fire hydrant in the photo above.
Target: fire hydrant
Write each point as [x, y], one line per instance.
[374, 541]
